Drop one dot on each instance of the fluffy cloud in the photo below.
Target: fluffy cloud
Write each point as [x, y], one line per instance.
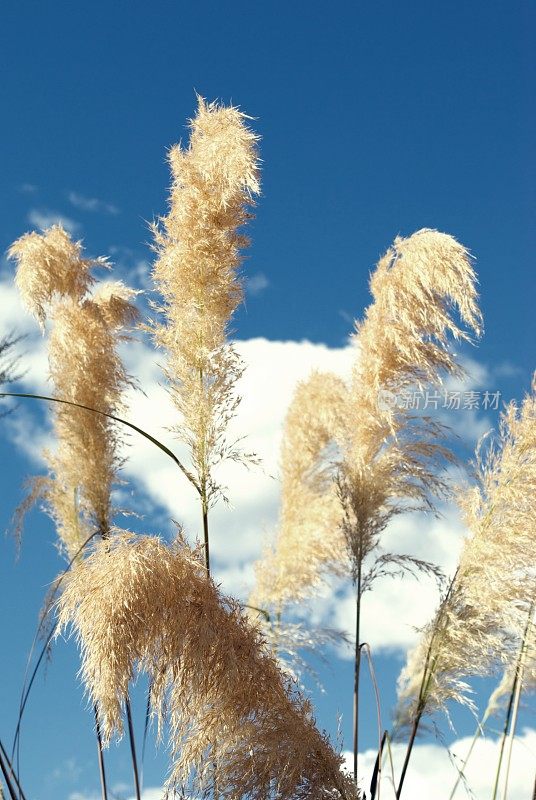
[91, 203]
[44, 218]
[432, 772]
[238, 531]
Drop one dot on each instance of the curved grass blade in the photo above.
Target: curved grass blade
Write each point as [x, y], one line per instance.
[122, 421]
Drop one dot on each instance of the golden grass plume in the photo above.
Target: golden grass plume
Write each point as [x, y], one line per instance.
[137, 604]
[85, 368]
[479, 627]
[199, 247]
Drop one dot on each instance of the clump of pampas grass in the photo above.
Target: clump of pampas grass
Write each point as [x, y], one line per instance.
[481, 624]
[137, 604]
[85, 368]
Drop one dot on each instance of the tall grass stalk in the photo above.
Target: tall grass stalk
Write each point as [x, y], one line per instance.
[6, 763]
[5, 768]
[491, 705]
[520, 669]
[357, 668]
[100, 755]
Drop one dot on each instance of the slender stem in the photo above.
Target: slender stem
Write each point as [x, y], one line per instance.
[381, 739]
[461, 770]
[145, 732]
[534, 792]
[133, 748]
[5, 764]
[128, 424]
[520, 669]
[503, 738]
[357, 665]
[411, 742]
[427, 675]
[205, 533]
[102, 771]
[376, 774]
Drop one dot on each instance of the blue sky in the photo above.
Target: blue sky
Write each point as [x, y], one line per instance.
[376, 119]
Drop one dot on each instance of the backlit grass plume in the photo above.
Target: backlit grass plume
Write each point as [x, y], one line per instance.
[138, 604]
[199, 247]
[479, 626]
[390, 454]
[309, 540]
[84, 368]
[50, 265]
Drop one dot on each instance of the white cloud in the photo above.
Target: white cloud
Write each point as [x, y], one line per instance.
[257, 283]
[238, 533]
[27, 188]
[91, 204]
[432, 771]
[44, 218]
[432, 774]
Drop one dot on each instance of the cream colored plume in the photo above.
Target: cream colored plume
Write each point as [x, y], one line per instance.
[391, 457]
[199, 247]
[84, 368]
[480, 625]
[385, 457]
[309, 541]
[137, 604]
[50, 265]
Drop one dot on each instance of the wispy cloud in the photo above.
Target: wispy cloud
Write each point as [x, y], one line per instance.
[257, 283]
[135, 268]
[44, 218]
[27, 188]
[91, 204]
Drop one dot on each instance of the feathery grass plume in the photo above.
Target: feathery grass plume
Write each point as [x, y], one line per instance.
[480, 624]
[85, 368]
[48, 265]
[310, 515]
[391, 458]
[390, 455]
[196, 272]
[138, 604]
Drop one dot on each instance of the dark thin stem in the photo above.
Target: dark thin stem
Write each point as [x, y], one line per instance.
[7, 779]
[145, 732]
[357, 666]
[377, 768]
[205, 535]
[381, 739]
[100, 754]
[26, 690]
[411, 742]
[5, 763]
[427, 675]
[130, 425]
[133, 749]
[534, 791]
[503, 737]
